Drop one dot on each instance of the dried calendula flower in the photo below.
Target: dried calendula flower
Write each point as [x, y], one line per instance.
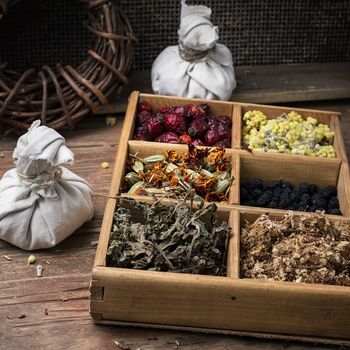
[111, 120]
[298, 248]
[104, 165]
[180, 173]
[172, 156]
[31, 259]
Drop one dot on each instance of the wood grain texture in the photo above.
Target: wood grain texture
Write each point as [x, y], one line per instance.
[68, 324]
[267, 84]
[222, 303]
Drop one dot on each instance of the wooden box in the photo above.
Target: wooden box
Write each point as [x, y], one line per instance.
[227, 304]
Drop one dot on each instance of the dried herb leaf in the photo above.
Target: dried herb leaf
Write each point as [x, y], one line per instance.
[169, 238]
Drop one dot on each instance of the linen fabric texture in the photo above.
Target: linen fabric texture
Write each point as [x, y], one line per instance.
[198, 67]
[42, 203]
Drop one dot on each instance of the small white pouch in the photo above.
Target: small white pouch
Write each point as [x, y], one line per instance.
[198, 67]
[41, 202]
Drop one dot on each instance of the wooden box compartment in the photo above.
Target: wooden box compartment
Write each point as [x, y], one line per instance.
[144, 149]
[217, 108]
[230, 304]
[275, 167]
[332, 119]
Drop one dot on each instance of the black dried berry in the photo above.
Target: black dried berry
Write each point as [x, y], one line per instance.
[335, 212]
[321, 204]
[304, 188]
[272, 204]
[277, 191]
[258, 184]
[257, 193]
[333, 203]
[284, 203]
[244, 194]
[305, 197]
[286, 185]
[263, 200]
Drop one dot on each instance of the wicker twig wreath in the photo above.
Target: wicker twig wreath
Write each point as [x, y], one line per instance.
[62, 95]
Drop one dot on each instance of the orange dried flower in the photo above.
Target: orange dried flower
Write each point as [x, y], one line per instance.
[172, 156]
[202, 184]
[216, 156]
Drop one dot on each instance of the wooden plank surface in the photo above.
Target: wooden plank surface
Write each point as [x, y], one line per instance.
[268, 84]
[63, 289]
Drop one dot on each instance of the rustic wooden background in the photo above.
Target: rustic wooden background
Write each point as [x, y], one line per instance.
[52, 312]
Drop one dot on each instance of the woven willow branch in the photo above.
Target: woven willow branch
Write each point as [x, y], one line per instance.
[62, 95]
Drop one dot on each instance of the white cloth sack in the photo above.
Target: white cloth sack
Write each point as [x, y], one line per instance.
[198, 67]
[42, 203]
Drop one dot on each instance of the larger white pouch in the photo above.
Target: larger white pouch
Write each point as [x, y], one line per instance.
[41, 202]
[198, 67]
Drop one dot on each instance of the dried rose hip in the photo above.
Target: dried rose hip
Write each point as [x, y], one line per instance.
[143, 117]
[196, 111]
[212, 122]
[197, 142]
[155, 126]
[224, 143]
[164, 109]
[212, 137]
[186, 139]
[168, 137]
[198, 128]
[175, 122]
[225, 120]
[205, 107]
[182, 110]
[144, 106]
[224, 131]
[141, 134]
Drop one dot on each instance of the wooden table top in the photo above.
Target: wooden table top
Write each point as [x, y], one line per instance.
[52, 312]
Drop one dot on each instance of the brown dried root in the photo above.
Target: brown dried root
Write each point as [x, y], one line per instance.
[298, 248]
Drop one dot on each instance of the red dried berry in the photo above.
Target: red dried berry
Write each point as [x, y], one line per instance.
[197, 142]
[212, 137]
[175, 122]
[186, 139]
[224, 143]
[143, 117]
[155, 126]
[141, 134]
[164, 109]
[212, 122]
[182, 110]
[144, 106]
[225, 120]
[205, 107]
[198, 128]
[224, 131]
[168, 137]
[195, 111]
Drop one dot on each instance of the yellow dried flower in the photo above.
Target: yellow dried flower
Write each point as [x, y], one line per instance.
[104, 165]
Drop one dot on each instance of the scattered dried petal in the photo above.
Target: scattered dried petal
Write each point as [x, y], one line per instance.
[31, 259]
[121, 346]
[111, 120]
[22, 316]
[39, 271]
[104, 165]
